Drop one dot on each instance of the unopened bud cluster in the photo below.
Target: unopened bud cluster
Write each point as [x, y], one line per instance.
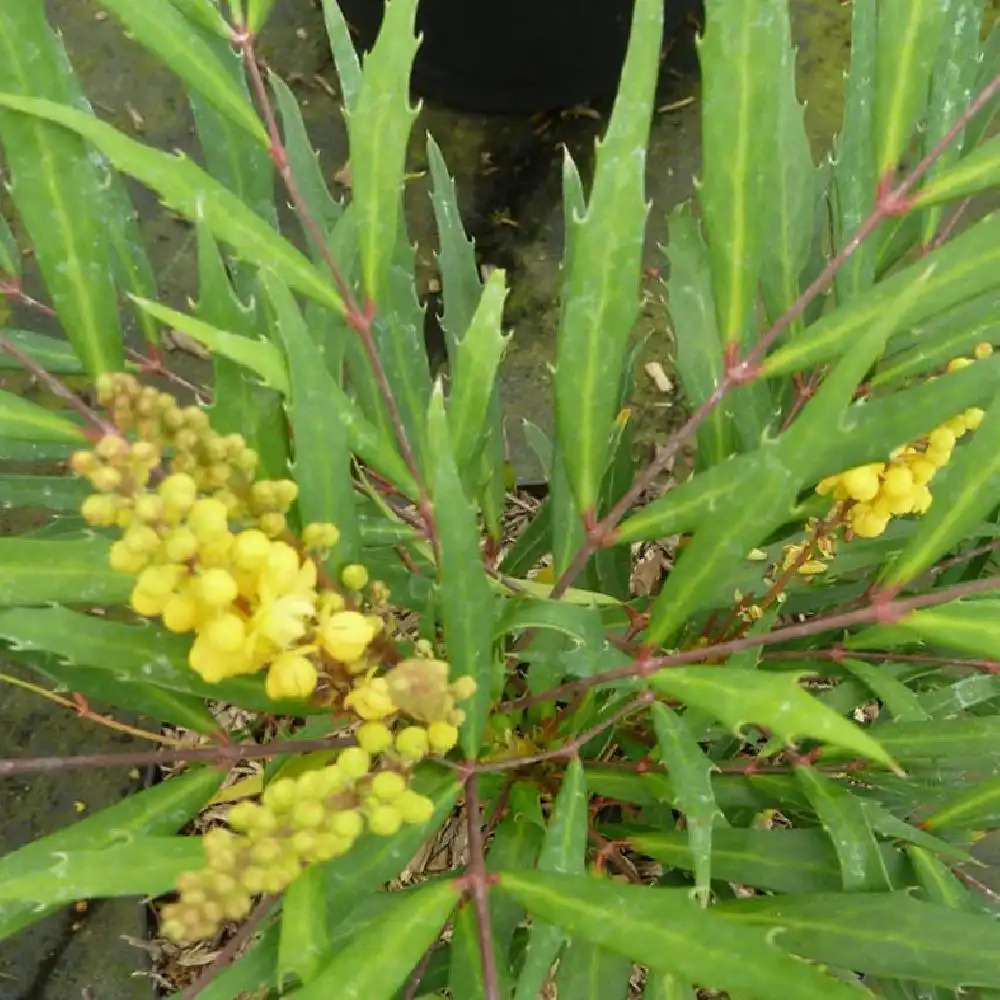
[871, 495]
[319, 814]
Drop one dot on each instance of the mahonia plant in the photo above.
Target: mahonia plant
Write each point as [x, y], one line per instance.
[211, 553]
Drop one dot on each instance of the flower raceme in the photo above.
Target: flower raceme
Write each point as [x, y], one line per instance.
[211, 554]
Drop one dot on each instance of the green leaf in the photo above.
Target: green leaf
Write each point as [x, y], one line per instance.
[56, 356]
[843, 817]
[740, 52]
[204, 13]
[976, 172]
[464, 594]
[579, 622]
[322, 452]
[475, 362]
[144, 867]
[162, 29]
[600, 301]
[960, 696]
[952, 742]
[952, 89]
[938, 883]
[909, 34]
[460, 285]
[412, 923]
[587, 972]
[187, 189]
[157, 811]
[964, 267]
[776, 701]
[902, 703]
[254, 969]
[49, 492]
[10, 254]
[379, 125]
[258, 12]
[968, 626]
[20, 418]
[792, 184]
[465, 974]
[883, 934]
[690, 772]
[260, 356]
[304, 160]
[696, 330]
[666, 986]
[344, 55]
[304, 943]
[143, 657]
[76, 572]
[882, 821]
[56, 189]
[853, 158]
[962, 500]
[665, 930]
[780, 860]
[563, 851]
[529, 546]
[977, 807]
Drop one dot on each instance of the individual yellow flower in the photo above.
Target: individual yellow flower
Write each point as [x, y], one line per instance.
[370, 700]
[345, 635]
[291, 676]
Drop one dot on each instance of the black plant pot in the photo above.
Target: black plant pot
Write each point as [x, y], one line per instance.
[522, 55]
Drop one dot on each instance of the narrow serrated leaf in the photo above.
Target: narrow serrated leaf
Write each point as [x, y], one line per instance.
[157, 811]
[977, 807]
[146, 866]
[475, 362]
[186, 188]
[379, 125]
[690, 773]
[667, 931]
[464, 594]
[345, 57]
[843, 818]
[696, 331]
[908, 37]
[163, 30]
[884, 934]
[321, 446]
[23, 420]
[601, 303]
[562, 852]
[10, 254]
[55, 188]
[303, 944]
[587, 972]
[900, 702]
[776, 701]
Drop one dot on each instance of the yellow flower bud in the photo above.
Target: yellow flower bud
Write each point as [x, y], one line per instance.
[217, 588]
[346, 824]
[226, 633]
[922, 470]
[957, 425]
[320, 535]
[180, 545]
[249, 817]
[353, 763]
[388, 785]
[146, 604]
[983, 350]
[148, 507]
[868, 524]
[942, 439]
[384, 821]
[371, 700]
[180, 613]
[285, 493]
[272, 524]
[412, 743]
[345, 635]
[957, 364]
[208, 519]
[828, 485]
[354, 576]
[308, 814]
[414, 808]
[812, 567]
[937, 457]
[291, 675]
[178, 492]
[442, 736]
[861, 483]
[82, 463]
[105, 479]
[100, 510]
[375, 737]
[463, 687]
[280, 795]
[250, 549]
[122, 559]
[921, 499]
[898, 480]
[220, 848]
[973, 417]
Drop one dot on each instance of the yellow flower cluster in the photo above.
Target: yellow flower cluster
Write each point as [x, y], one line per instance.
[211, 555]
[869, 496]
[321, 813]
[300, 821]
